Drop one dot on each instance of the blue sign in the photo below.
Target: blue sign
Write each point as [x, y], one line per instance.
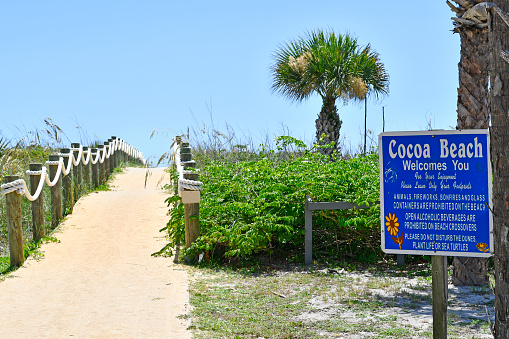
[435, 193]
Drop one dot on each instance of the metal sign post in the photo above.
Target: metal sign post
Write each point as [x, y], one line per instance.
[436, 199]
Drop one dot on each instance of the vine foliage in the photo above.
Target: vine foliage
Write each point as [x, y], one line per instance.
[256, 206]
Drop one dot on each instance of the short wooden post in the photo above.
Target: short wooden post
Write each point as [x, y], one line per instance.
[439, 295]
[86, 171]
[191, 210]
[107, 169]
[308, 238]
[56, 193]
[115, 155]
[78, 177]
[95, 169]
[102, 171]
[68, 198]
[37, 204]
[13, 204]
[400, 258]
[112, 156]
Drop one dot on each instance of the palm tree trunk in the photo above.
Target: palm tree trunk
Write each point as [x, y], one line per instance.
[472, 113]
[328, 124]
[499, 106]
[473, 79]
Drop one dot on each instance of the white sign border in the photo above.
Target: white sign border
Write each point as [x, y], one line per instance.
[490, 193]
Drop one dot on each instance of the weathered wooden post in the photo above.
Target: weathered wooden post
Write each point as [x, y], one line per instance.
[107, 164]
[308, 236]
[95, 168]
[13, 204]
[78, 178]
[55, 191]
[190, 199]
[115, 155]
[439, 295]
[102, 166]
[112, 155]
[37, 204]
[86, 171]
[68, 198]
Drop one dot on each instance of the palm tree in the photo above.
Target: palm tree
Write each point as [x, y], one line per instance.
[471, 23]
[333, 66]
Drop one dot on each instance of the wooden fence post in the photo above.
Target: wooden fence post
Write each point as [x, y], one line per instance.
[112, 156]
[191, 208]
[68, 199]
[439, 295]
[95, 169]
[102, 171]
[86, 172]
[107, 169]
[37, 204]
[78, 178]
[115, 155]
[56, 193]
[13, 204]
[308, 236]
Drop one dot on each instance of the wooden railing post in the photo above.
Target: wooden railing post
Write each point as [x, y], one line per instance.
[95, 169]
[112, 156]
[308, 237]
[191, 208]
[68, 198]
[86, 171]
[106, 162]
[115, 155]
[56, 193]
[78, 177]
[102, 167]
[13, 204]
[37, 204]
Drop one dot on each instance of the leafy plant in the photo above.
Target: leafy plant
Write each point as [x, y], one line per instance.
[257, 205]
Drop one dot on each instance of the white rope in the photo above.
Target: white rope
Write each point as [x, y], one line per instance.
[67, 170]
[192, 185]
[60, 164]
[39, 186]
[97, 157]
[76, 161]
[86, 160]
[14, 186]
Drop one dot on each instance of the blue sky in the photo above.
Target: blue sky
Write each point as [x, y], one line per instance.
[126, 68]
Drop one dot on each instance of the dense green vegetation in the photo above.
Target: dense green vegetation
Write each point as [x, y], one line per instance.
[254, 204]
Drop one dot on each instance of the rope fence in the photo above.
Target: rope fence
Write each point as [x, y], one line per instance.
[89, 167]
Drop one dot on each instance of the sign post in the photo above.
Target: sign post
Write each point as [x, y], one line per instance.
[436, 199]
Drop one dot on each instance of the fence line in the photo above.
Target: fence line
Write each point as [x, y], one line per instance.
[101, 161]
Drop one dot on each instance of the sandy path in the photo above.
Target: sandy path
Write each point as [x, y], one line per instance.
[100, 280]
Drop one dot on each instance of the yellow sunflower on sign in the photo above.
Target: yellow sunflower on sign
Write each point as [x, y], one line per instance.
[483, 247]
[393, 228]
[392, 224]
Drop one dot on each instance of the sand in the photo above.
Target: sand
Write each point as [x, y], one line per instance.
[100, 280]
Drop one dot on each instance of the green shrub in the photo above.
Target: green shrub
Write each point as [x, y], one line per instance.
[257, 206]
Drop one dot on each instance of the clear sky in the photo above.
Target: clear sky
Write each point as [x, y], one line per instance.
[126, 68]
